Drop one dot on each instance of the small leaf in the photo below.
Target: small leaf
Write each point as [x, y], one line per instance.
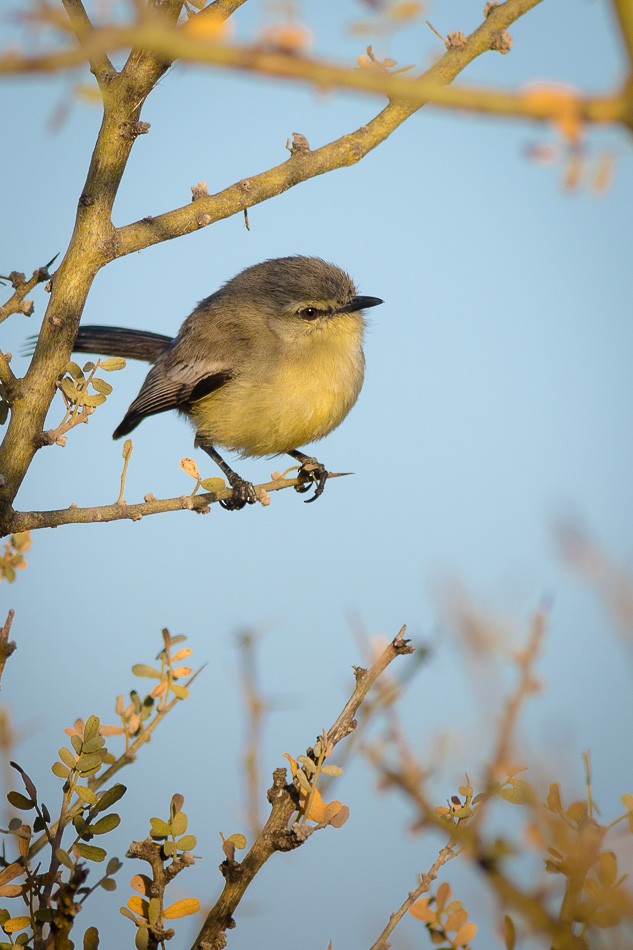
[307, 763]
[127, 913]
[86, 795]
[159, 828]
[170, 847]
[110, 797]
[179, 824]
[101, 386]
[182, 908]
[190, 468]
[186, 843]
[92, 401]
[91, 939]
[13, 924]
[67, 757]
[94, 744]
[509, 933]
[112, 364]
[138, 905]
[64, 858]
[214, 485]
[141, 941]
[153, 911]
[28, 783]
[114, 865]
[141, 883]
[181, 692]
[105, 824]
[607, 868]
[88, 763]
[142, 669]
[332, 770]
[238, 840]
[108, 884]
[11, 890]
[421, 911]
[519, 793]
[20, 801]
[90, 852]
[74, 370]
[466, 934]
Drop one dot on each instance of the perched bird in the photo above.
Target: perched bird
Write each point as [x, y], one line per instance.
[270, 361]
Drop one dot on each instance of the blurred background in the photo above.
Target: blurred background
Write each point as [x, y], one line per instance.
[498, 401]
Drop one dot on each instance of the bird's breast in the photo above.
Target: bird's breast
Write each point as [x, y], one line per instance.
[297, 398]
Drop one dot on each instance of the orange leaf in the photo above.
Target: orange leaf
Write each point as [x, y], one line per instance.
[559, 104]
[421, 911]
[465, 934]
[188, 905]
[138, 906]
[141, 883]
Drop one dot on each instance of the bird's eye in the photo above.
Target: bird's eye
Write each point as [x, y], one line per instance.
[309, 313]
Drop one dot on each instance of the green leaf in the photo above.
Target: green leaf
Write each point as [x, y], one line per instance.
[86, 795]
[159, 828]
[110, 797]
[87, 367]
[112, 364]
[64, 858]
[69, 389]
[91, 939]
[127, 913]
[238, 840]
[67, 757]
[307, 763]
[169, 847]
[179, 824]
[105, 824]
[90, 852]
[214, 485]
[101, 386]
[114, 865]
[141, 669]
[108, 884]
[88, 763]
[92, 401]
[93, 744]
[76, 743]
[519, 793]
[18, 800]
[332, 770]
[141, 941]
[153, 911]
[186, 843]
[75, 370]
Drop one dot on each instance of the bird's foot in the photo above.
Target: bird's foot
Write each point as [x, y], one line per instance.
[243, 494]
[312, 472]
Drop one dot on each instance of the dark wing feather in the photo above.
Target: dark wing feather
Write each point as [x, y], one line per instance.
[118, 341]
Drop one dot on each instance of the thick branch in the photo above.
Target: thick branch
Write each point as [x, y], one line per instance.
[275, 835]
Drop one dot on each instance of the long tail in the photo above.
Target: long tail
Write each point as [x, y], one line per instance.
[117, 341]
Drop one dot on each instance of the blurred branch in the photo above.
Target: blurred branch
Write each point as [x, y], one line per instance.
[27, 520]
[623, 10]
[100, 65]
[446, 854]
[255, 708]
[6, 647]
[277, 835]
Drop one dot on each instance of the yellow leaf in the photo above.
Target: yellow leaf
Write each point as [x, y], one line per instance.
[189, 905]
[443, 895]
[207, 27]
[14, 924]
[138, 906]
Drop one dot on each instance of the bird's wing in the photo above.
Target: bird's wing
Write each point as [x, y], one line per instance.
[172, 384]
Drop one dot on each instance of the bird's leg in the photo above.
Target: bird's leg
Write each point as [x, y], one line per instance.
[243, 491]
[312, 472]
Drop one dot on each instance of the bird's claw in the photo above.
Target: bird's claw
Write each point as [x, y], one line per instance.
[243, 494]
[311, 473]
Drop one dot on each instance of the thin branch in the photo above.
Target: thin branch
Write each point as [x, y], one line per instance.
[21, 286]
[7, 647]
[446, 854]
[623, 10]
[276, 834]
[30, 520]
[100, 64]
[7, 376]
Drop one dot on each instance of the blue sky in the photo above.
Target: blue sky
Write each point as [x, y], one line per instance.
[498, 397]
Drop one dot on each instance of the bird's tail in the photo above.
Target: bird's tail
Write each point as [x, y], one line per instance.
[117, 341]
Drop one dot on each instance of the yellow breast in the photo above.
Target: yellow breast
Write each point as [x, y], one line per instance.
[271, 408]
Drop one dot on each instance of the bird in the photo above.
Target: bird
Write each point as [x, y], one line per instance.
[269, 362]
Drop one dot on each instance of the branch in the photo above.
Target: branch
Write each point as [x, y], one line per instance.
[30, 520]
[276, 835]
[100, 65]
[7, 647]
[624, 14]
[21, 286]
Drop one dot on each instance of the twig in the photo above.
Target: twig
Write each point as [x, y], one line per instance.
[6, 647]
[255, 709]
[284, 800]
[30, 520]
[446, 854]
[100, 66]
[21, 287]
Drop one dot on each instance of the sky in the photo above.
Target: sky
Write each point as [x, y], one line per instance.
[497, 400]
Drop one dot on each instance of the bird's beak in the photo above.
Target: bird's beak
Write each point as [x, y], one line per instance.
[360, 303]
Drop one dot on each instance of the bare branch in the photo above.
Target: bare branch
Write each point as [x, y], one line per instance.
[21, 286]
[100, 65]
[284, 799]
[6, 647]
[30, 520]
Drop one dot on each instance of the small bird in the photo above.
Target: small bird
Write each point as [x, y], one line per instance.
[270, 361]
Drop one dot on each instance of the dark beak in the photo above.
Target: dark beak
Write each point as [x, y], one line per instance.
[360, 303]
